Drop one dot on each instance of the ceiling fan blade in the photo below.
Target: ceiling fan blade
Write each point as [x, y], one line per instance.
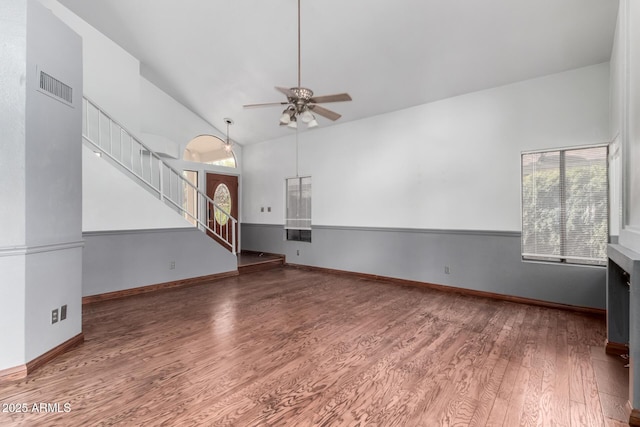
[267, 104]
[338, 97]
[324, 112]
[286, 91]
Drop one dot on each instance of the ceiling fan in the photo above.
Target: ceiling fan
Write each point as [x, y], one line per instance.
[300, 100]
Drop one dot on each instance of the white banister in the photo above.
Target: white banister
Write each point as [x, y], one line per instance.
[94, 116]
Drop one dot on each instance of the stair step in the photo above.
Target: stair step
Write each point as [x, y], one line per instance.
[248, 262]
[266, 265]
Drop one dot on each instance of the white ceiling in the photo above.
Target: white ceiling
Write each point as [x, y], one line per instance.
[214, 56]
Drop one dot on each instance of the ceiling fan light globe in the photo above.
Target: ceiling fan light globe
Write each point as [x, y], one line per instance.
[285, 119]
[293, 124]
[306, 116]
[313, 123]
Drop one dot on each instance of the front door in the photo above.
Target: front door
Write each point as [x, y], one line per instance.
[223, 190]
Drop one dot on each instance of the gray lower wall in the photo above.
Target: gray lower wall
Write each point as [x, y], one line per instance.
[486, 261]
[118, 260]
[53, 276]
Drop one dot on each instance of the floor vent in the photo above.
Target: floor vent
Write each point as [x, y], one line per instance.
[56, 88]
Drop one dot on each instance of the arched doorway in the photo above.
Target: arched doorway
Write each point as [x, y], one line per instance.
[210, 150]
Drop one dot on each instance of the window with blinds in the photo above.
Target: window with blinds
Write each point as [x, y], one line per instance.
[565, 205]
[298, 215]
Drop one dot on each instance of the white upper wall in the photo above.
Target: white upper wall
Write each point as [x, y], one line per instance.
[163, 115]
[13, 121]
[111, 75]
[634, 117]
[13, 104]
[53, 130]
[451, 164]
[112, 80]
[625, 96]
[615, 150]
[112, 201]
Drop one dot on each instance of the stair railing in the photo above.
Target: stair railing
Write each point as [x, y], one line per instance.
[143, 165]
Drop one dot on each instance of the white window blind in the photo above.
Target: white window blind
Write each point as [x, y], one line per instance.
[565, 205]
[298, 203]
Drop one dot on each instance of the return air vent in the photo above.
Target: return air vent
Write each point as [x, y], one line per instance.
[55, 87]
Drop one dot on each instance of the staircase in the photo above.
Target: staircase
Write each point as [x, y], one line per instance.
[118, 146]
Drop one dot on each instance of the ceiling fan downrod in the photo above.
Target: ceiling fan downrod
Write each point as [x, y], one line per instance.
[299, 62]
[300, 100]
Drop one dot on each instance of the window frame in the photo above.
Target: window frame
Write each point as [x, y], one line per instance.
[564, 258]
[298, 233]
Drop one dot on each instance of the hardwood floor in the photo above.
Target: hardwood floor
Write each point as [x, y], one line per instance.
[293, 347]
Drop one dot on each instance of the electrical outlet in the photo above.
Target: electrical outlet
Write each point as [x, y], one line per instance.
[269, 209]
[172, 265]
[447, 270]
[63, 312]
[262, 209]
[54, 316]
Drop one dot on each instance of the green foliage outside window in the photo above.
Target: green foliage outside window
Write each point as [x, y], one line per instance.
[565, 206]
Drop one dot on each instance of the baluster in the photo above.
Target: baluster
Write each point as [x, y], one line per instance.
[86, 117]
[151, 169]
[161, 179]
[233, 237]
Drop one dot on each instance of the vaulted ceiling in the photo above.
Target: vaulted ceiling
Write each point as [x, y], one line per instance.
[214, 56]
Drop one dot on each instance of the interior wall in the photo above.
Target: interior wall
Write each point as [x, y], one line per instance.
[13, 36]
[13, 39]
[451, 168]
[112, 80]
[119, 260]
[487, 261]
[452, 164]
[53, 205]
[113, 201]
[625, 121]
[628, 51]
[615, 150]
[111, 74]
[164, 116]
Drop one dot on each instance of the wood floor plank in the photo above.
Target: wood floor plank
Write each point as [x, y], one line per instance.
[562, 383]
[590, 389]
[294, 347]
[578, 414]
[487, 398]
[576, 375]
[516, 407]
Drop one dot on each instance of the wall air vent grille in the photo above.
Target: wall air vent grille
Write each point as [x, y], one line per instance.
[55, 87]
